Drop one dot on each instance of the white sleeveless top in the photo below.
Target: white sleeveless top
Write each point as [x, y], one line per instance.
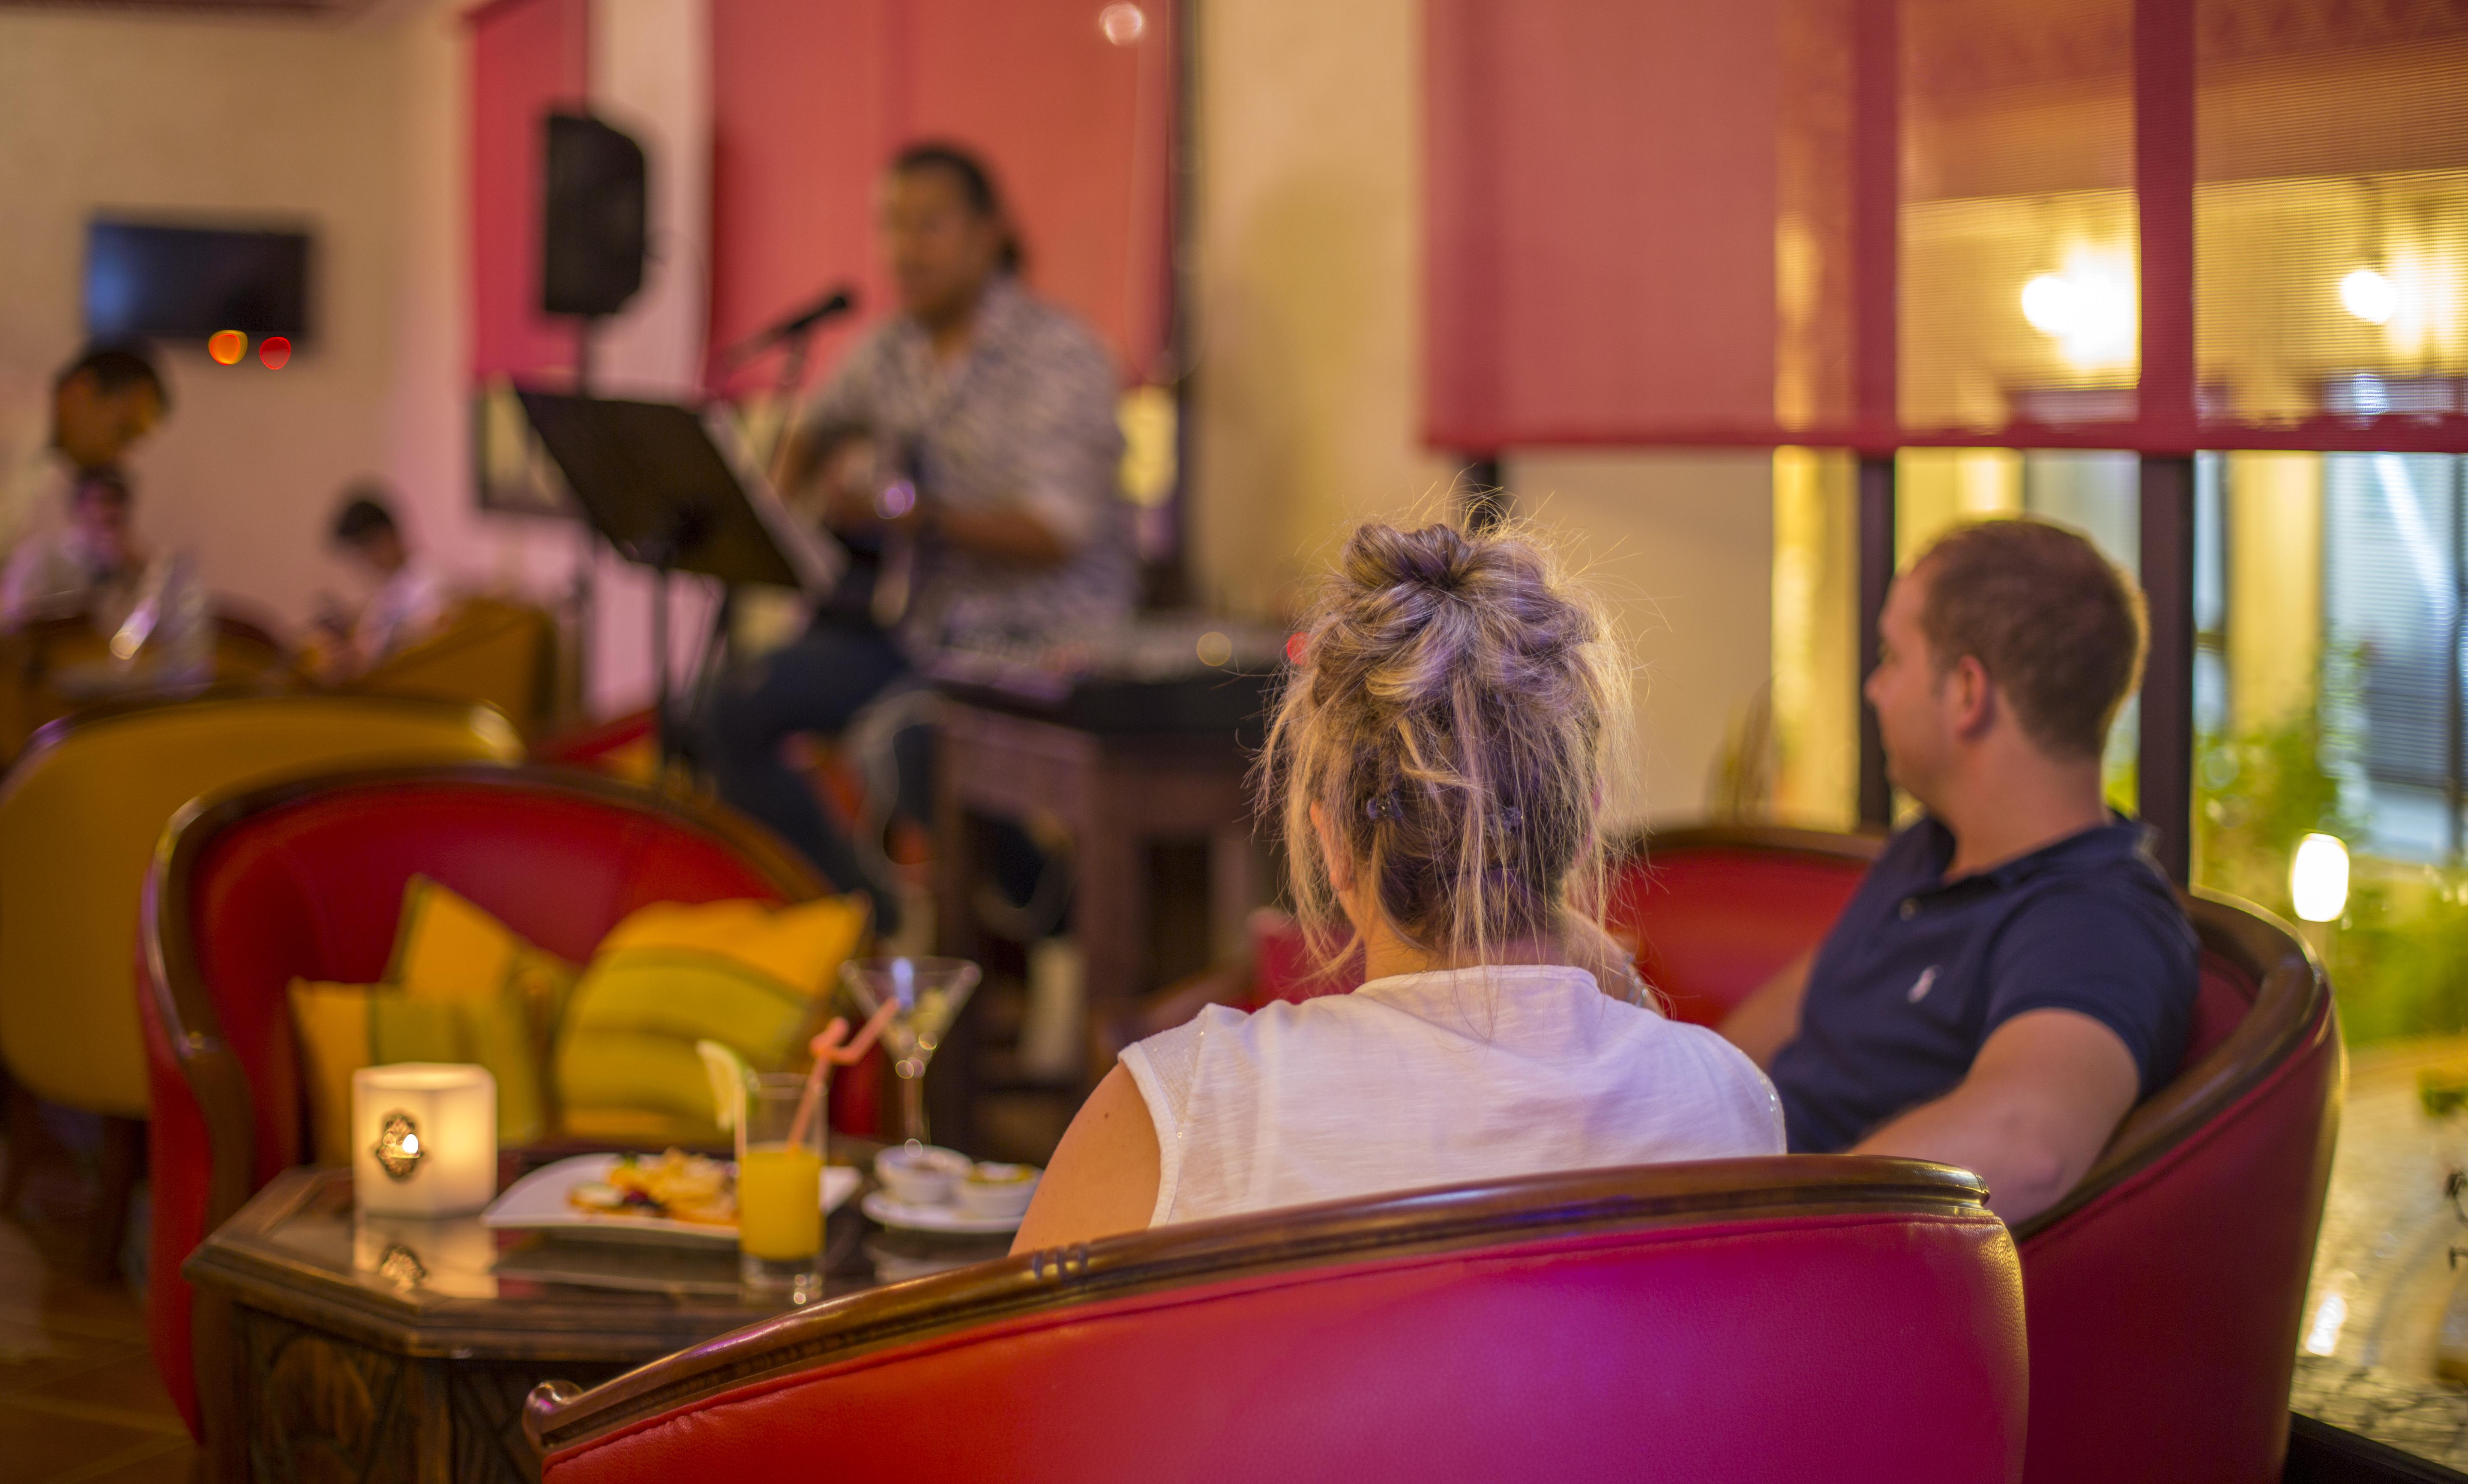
[1434, 1079]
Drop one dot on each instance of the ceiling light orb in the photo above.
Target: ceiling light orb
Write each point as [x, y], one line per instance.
[2048, 303]
[1122, 24]
[2370, 295]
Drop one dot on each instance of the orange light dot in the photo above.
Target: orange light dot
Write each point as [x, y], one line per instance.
[227, 347]
[276, 353]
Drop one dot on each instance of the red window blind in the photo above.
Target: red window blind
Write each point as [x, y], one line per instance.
[2150, 224]
[812, 97]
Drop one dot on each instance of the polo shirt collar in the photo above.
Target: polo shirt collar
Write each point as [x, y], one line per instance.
[2119, 840]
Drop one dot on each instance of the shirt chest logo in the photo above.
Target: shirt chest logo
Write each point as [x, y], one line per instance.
[1920, 986]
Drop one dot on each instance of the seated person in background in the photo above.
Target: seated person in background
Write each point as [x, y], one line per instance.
[408, 605]
[150, 605]
[1439, 760]
[2015, 972]
[91, 565]
[102, 404]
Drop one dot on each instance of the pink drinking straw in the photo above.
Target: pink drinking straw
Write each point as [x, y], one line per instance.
[829, 1052]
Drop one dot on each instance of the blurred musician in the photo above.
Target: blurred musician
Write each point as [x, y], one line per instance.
[974, 438]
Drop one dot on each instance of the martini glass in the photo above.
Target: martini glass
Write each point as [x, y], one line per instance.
[930, 992]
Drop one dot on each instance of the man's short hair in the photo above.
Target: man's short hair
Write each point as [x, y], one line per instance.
[2057, 626]
[115, 369]
[364, 515]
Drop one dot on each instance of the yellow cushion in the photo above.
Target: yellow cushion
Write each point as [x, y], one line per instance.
[344, 1027]
[753, 978]
[447, 949]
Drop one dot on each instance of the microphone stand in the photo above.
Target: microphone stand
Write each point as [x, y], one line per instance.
[719, 647]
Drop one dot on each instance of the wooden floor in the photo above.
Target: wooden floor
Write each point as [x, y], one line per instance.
[79, 1397]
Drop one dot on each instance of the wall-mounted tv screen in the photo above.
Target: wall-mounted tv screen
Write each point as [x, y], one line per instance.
[152, 282]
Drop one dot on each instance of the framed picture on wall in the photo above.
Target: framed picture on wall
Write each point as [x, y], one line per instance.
[512, 474]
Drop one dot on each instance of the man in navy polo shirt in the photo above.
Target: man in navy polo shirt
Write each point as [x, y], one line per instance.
[2014, 973]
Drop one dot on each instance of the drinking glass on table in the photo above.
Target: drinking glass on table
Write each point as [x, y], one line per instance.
[780, 1191]
[930, 992]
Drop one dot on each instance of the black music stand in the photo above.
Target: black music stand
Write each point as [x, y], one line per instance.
[674, 489]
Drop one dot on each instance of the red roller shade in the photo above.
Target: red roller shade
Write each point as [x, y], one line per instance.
[527, 58]
[2146, 224]
[812, 99]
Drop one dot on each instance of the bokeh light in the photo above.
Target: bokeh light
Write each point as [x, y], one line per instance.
[227, 347]
[2317, 878]
[1214, 649]
[1295, 643]
[1122, 24]
[275, 352]
[2369, 296]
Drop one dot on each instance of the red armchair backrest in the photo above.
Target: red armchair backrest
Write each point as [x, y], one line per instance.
[306, 881]
[1716, 913]
[2165, 1291]
[1743, 1321]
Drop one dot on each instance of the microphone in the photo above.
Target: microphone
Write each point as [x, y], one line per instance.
[841, 299]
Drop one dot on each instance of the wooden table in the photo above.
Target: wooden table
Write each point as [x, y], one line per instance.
[1115, 794]
[381, 1351]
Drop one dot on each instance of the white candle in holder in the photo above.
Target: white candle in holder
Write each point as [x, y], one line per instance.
[423, 1138]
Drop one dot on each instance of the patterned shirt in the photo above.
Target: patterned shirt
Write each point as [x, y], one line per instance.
[1024, 419]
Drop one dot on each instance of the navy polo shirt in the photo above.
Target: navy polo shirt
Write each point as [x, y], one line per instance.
[1919, 970]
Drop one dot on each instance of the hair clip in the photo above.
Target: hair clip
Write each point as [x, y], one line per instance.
[1510, 816]
[1381, 806]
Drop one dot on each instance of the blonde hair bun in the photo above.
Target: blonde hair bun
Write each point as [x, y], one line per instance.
[1450, 713]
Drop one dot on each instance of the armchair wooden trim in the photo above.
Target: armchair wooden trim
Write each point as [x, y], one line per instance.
[173, 977]
[1448, 1219]
[2291, 1007]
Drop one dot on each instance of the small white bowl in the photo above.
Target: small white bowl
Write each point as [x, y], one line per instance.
[998, 1190]
[920, 1177]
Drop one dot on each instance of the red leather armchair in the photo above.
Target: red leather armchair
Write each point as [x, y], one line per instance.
[1743, 1321]
[2164, 1292]
[305, 879]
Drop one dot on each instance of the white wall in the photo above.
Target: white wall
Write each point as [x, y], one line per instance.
[1309, 399]
[1680, 547]
[287, 123]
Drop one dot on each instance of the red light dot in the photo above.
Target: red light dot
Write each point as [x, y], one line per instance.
[1294, 647]
[276, 353]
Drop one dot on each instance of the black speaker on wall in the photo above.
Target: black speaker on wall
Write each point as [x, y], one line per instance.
[595, 210]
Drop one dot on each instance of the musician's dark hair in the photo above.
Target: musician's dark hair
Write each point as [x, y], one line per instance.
[364, 513]
[115, 368]
[976, 185]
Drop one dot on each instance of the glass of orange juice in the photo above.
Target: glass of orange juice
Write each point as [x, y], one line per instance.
[780, 1192]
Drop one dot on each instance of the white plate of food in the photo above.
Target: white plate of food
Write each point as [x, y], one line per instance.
[675, 1197]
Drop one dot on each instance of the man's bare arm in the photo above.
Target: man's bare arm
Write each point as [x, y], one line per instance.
[2044, 1094]
[1764, 1023]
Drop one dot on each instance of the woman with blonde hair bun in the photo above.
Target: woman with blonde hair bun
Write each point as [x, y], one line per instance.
[1438, 761]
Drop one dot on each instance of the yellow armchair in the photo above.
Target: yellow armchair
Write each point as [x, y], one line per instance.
[486, 649]
[79, 814]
